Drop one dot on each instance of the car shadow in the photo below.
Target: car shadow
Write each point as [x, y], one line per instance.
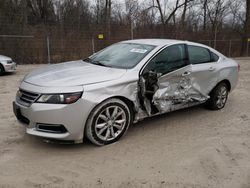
[7, 74]
[145, 125]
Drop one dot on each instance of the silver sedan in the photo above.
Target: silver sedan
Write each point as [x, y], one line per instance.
[100, 96]
[6, 65]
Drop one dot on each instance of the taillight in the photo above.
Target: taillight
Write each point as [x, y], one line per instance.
[238, 67]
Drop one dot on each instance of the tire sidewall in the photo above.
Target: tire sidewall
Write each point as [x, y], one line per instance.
[215, 94]
[1, 70]
[90, 127]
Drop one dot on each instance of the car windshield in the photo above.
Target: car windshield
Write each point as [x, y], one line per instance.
[121, 55]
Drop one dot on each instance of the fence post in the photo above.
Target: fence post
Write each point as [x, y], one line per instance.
[230, 47]
[48, 48]
[247, 48]
[132, 30]
[93, 45]
[215, 43]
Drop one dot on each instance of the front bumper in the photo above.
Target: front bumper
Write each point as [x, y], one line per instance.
[10, 67]
[72, 117]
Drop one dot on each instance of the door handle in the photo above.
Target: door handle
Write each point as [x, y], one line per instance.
[186, 73]
[211, 69]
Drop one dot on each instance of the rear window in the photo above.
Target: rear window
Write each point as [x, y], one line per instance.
[198, 55]
[214, 57]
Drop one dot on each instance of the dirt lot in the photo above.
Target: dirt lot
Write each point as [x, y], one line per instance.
[189, 148]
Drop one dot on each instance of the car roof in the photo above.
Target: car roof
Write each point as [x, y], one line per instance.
[155, 42]
[165, 42]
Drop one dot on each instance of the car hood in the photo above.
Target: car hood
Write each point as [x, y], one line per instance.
[72, 74]
[2, 57]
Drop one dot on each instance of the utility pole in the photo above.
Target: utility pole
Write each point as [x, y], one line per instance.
[48, 48]
[230, 47]
[215, 35]
[93, 45]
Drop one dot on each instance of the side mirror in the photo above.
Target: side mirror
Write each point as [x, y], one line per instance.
[159, 75]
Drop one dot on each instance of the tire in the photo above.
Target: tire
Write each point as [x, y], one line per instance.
[218, 97]
[1, 70]
[108, 122]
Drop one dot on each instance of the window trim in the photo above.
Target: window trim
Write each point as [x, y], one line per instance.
[210, 55]
[160, 50]
[216, 55]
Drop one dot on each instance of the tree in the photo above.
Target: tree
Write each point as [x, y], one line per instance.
[162, 8]
[107, 16]
[41, 11]
[247, 22]
[183, 17]
[217, 10]
[204, 7]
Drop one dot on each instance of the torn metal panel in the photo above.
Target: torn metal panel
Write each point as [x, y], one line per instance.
[177, 93]
[147, 87]
[143, 91]
[140, 114]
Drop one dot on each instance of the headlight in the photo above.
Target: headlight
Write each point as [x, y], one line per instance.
[9, 62]
[6, 61]
[67, 98]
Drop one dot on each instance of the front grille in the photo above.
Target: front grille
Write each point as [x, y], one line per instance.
[26, 98]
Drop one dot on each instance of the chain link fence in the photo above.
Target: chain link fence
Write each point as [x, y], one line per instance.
[230, 48]
[55, 48]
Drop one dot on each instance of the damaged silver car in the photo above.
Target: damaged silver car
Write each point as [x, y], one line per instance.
[99, 97]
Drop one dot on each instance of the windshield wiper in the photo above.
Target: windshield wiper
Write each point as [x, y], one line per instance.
[87, 60]
[99, 63]
[95, 62]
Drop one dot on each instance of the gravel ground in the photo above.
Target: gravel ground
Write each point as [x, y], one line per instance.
[191, 148]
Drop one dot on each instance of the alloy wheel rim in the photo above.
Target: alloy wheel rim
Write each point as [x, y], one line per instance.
[110, 123]
[221, 97]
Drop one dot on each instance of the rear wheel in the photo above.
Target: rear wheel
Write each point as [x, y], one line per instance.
[108, 122]
[218, 97]
[1, 70]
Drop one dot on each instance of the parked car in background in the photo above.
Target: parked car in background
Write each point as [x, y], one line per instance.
[6, 65]
[99, 97]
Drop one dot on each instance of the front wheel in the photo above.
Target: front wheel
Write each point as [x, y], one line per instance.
[218, 97]
[108, 122]
[1, 70]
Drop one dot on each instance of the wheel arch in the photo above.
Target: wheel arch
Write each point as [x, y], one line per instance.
[130, 105]
[226, 81]
[127, 101]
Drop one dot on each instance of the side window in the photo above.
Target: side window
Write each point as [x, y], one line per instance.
[198, 55]
[214, 57]
[169, 59]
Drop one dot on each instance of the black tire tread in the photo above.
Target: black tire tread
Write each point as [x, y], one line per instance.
[1, 69]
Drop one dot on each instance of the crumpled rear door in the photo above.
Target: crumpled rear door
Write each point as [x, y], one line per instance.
[166, 83]
[176, 90]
